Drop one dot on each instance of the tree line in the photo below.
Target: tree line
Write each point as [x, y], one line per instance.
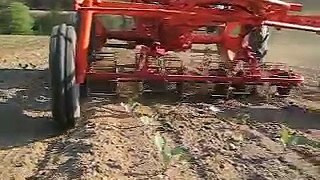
[42, 4]
[16, 16]
[22, 17]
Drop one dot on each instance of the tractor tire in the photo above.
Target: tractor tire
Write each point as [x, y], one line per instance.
[56, 67]
[65, 92]
[72, 89]
[258, 41]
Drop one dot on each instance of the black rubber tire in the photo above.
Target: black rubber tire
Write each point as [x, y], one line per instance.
[65, 91]
[258, 41]
[57, 70]
[71, 87]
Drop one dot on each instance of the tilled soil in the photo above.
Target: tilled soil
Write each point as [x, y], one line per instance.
[221, 139]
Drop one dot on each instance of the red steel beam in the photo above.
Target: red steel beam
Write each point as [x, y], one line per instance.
[200, 16]
[83, 43]
[292, 26]
[205, 39]
[135, 36]
[298, 22]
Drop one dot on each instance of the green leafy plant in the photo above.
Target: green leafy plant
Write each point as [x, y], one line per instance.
[290, 139]
[287, 138]
[242, 118]
[45, 23]
[143, 113]
[147, 118]
[168, 154]
[16, 19]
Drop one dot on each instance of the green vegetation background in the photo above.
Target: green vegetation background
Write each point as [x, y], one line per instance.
[39, 16]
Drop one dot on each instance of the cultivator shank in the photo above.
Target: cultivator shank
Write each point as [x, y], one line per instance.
[159, 30]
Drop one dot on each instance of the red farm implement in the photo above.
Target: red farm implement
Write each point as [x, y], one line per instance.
[80, 56]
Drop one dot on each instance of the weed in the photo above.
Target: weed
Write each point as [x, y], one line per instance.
[168, 154]
[243, 118]
[147, 117]
[290, 139]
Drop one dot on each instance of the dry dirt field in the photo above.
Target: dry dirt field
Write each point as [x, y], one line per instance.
[163, 138]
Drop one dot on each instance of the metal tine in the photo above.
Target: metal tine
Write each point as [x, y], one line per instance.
[241, 93]
[219, 95]
[102, 94]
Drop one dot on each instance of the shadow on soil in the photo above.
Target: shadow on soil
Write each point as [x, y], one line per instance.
[25, 118]
[294, 117]
[24, 108]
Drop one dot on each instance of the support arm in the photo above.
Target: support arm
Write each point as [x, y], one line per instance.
[298, 22]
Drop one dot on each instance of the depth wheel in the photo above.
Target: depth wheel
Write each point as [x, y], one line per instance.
[65, 91]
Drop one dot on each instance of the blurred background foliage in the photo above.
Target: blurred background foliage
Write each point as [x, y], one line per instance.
[39, 16]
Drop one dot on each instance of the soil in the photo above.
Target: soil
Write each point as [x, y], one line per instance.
[221, 139]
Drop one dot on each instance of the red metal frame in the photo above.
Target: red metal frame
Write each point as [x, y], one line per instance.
[173, 23]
